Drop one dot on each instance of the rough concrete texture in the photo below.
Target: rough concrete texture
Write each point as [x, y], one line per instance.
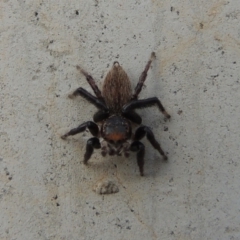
[47, 193]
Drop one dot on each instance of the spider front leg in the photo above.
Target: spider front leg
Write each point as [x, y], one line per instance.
[91, 144]
[139, 147]
[93, 128]
[146, 131]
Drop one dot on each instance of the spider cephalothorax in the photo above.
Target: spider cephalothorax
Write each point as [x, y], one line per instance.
[116, 106]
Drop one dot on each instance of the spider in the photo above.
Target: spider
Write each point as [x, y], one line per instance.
[116, 115]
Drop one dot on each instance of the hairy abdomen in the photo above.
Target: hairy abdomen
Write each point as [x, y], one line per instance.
[116, 88]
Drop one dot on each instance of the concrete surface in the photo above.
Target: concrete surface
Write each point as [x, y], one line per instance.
[45, 190]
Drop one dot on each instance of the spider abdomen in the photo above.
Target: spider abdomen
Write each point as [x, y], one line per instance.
[116, 89]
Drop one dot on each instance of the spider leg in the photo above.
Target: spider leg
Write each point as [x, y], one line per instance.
[100, 116]
[93, 128]
[91, 144]
[91, 82]
[143, 103]
[139, 147]
[146, 131]
[89, 97]
[133, 116]
[143, 77]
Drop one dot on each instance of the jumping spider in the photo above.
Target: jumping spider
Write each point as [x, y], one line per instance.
[116, 106]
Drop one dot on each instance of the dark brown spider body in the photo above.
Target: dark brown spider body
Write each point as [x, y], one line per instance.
[116, 112]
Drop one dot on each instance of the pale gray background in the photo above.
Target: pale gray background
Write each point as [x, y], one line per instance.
[46, 191]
